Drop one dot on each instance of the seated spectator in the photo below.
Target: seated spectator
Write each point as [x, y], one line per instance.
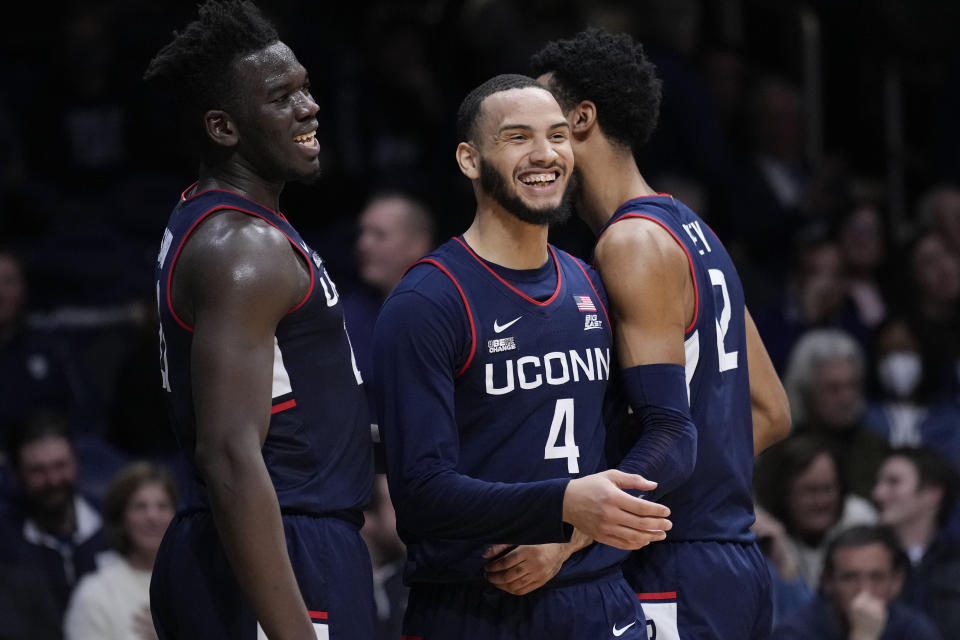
[63, 529]
[825, 385]
[799, 486]
[862, 239]
[28, 607]
[862, 576]
[395, 230]
[938, 209]
[113, 603]
[932, 299]
[816, 296]
[36, 368]
[901, 409]
[387, 553]
[915, 496]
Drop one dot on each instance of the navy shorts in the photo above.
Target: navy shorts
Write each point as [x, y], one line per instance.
[193, 593]
[605, 607]
[702, 590]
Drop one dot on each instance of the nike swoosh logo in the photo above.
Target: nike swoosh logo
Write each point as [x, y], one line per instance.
[497, 327]
[619, 632]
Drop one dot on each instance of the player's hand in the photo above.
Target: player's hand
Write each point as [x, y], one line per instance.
[521, 569]
[526, 567]
[598, 506]
[143, 624]
[867, 616]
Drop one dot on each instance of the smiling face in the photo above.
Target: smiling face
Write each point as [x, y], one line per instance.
[899, 497]
[814, 499]
[48, 474]
[276, 117]
[525, 160]
[149, 511]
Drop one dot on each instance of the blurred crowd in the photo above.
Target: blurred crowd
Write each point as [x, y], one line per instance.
[817, 138]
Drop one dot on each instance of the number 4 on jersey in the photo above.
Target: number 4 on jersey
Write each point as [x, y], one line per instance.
[563, 419]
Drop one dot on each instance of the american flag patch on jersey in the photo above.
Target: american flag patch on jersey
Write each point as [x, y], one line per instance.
[584, 303]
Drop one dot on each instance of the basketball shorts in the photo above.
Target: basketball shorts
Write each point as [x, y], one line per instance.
[193, 592]
[603, 607]
[702, 590]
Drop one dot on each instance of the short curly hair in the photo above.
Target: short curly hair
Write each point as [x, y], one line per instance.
[469, 112]
[196, 67]
[612, 71]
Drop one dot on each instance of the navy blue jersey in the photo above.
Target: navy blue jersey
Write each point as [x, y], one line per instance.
[318, 448]
[489, 402]
[715, 503]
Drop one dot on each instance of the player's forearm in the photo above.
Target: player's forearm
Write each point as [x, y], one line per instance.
[454, 506]
[247, 516]
[770, 425]
[666, 449]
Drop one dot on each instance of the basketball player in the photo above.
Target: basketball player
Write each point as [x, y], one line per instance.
[687, 346]
[255, 361]
[491, 362]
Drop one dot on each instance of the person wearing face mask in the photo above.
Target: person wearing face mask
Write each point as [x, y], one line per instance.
[900, 409]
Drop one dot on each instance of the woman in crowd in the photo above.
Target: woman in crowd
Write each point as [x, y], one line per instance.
[113, 602]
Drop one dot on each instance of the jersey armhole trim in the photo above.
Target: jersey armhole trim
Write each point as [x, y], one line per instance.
[466, 305]
[203, 217]
[693, 273]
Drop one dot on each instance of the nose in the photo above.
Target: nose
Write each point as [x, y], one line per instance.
[306, 106]
[543, 152]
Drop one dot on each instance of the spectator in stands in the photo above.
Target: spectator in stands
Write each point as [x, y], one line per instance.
[28, 607]
[387, 553]
[901, 409]
[113, 603]
[815, 297]
[915, 495]
[395, 230]
[63, 528]
[825, 384]
[36, 369]
[861, 234]
[938, 209]
[932, 300]
[862, 577]
[799, 486]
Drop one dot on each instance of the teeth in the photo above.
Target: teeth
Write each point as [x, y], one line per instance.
[306, 138]
[542, 178]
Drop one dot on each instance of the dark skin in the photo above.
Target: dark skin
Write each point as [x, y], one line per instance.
[234, 281]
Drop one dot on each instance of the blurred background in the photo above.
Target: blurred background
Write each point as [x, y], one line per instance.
[819, 139]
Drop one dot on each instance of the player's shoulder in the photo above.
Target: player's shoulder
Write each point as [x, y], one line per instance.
[636, 238]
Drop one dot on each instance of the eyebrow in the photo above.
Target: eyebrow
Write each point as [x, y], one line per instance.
[526, 127]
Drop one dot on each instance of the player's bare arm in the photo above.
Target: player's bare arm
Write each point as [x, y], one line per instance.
[650, 288]
[768, 399]
[236, 279]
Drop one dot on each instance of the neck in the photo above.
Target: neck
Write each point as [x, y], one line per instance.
[142, 559]
[610, 177]
[501, 238]
[59, 523]
[243, 181]
[917, 532]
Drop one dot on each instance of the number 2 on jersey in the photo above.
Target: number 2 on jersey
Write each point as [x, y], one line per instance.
[726, 359]
[563, 420]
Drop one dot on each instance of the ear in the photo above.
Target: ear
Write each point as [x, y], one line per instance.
[469, 160]
[221, 128]
[582, 118]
